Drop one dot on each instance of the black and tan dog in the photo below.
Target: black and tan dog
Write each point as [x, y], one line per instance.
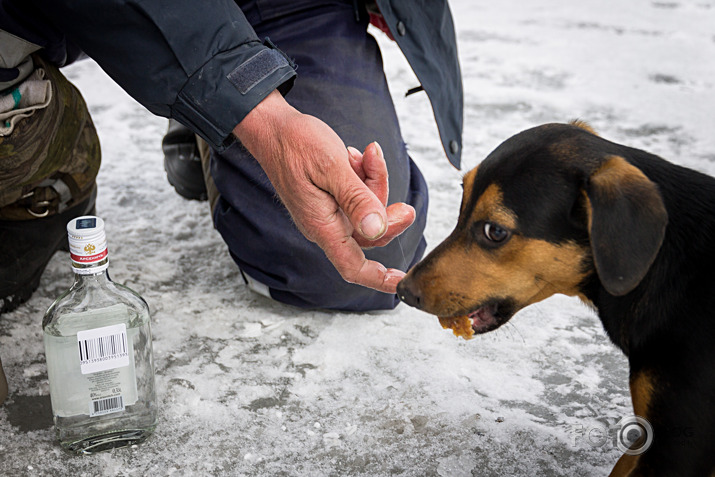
[558, 209]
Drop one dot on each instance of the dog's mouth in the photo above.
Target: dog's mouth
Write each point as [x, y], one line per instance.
[491, 315]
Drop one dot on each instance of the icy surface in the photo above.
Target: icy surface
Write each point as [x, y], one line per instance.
[250, 387]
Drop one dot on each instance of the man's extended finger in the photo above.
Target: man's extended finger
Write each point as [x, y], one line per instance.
[375, 171]
[355, 157]
[350, 261]
[371, 168]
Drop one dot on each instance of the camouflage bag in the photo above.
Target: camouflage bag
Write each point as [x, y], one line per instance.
[49, 158]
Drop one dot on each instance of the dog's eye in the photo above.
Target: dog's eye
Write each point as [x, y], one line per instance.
[495, 233]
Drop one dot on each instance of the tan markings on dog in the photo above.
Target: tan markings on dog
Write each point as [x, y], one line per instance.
[467, 185]
[523, 269]
[639, 185]
[642, 389]
[569, 150]
[583, 125]
[589, 209]
[624, 466]
[490, 207]
[616, 175]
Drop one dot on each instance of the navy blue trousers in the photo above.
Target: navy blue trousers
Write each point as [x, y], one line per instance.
[341, 81]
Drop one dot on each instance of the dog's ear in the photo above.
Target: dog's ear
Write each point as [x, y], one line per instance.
[626, 223]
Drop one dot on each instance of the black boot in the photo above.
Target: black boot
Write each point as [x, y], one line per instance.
[26, 248]
[182, 162]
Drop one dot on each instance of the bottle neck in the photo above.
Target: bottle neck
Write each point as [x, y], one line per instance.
[92, 276]
[88, 247]
[94, 265]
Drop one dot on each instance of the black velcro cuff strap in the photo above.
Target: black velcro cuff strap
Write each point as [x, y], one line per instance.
[257, 68]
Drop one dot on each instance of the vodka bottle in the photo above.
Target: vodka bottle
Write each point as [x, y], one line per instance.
[99, 354]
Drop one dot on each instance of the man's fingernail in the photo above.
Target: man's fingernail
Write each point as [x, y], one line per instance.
[372, 226]
[379, 149]
[353, 152]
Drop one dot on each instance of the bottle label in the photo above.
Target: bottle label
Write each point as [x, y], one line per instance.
[92, 372]
[106, 392]
[103, 348]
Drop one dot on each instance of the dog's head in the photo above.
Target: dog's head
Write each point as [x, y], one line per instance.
[543, 213]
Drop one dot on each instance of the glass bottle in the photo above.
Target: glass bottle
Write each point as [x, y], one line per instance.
[99, 353]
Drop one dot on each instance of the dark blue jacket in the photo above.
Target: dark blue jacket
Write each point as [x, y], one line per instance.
[201, 63]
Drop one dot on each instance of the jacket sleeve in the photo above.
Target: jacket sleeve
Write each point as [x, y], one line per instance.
[199, 62]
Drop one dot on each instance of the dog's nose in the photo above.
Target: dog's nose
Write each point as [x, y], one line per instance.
[408, 293]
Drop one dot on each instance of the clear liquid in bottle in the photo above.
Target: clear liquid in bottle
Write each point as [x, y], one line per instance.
[99, 353]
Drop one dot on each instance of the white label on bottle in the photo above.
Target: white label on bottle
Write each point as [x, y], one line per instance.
[103, 348]
[100, 407]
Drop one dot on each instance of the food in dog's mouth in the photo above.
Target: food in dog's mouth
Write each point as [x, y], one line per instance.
[479, 321]
[460, 325]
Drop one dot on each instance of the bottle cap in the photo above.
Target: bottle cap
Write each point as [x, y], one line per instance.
[88, 244]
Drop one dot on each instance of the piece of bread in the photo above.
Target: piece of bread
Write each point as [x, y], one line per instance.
[460, 326]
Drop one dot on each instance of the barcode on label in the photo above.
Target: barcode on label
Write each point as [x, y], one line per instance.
[106, 406]
[103, 348]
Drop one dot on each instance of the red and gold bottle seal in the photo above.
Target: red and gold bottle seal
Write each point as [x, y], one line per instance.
[88, 244]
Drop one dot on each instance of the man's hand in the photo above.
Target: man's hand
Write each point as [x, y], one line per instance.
[336, 197]
[372, 170]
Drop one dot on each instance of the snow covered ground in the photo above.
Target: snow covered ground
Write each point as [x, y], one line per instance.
[250, 387]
